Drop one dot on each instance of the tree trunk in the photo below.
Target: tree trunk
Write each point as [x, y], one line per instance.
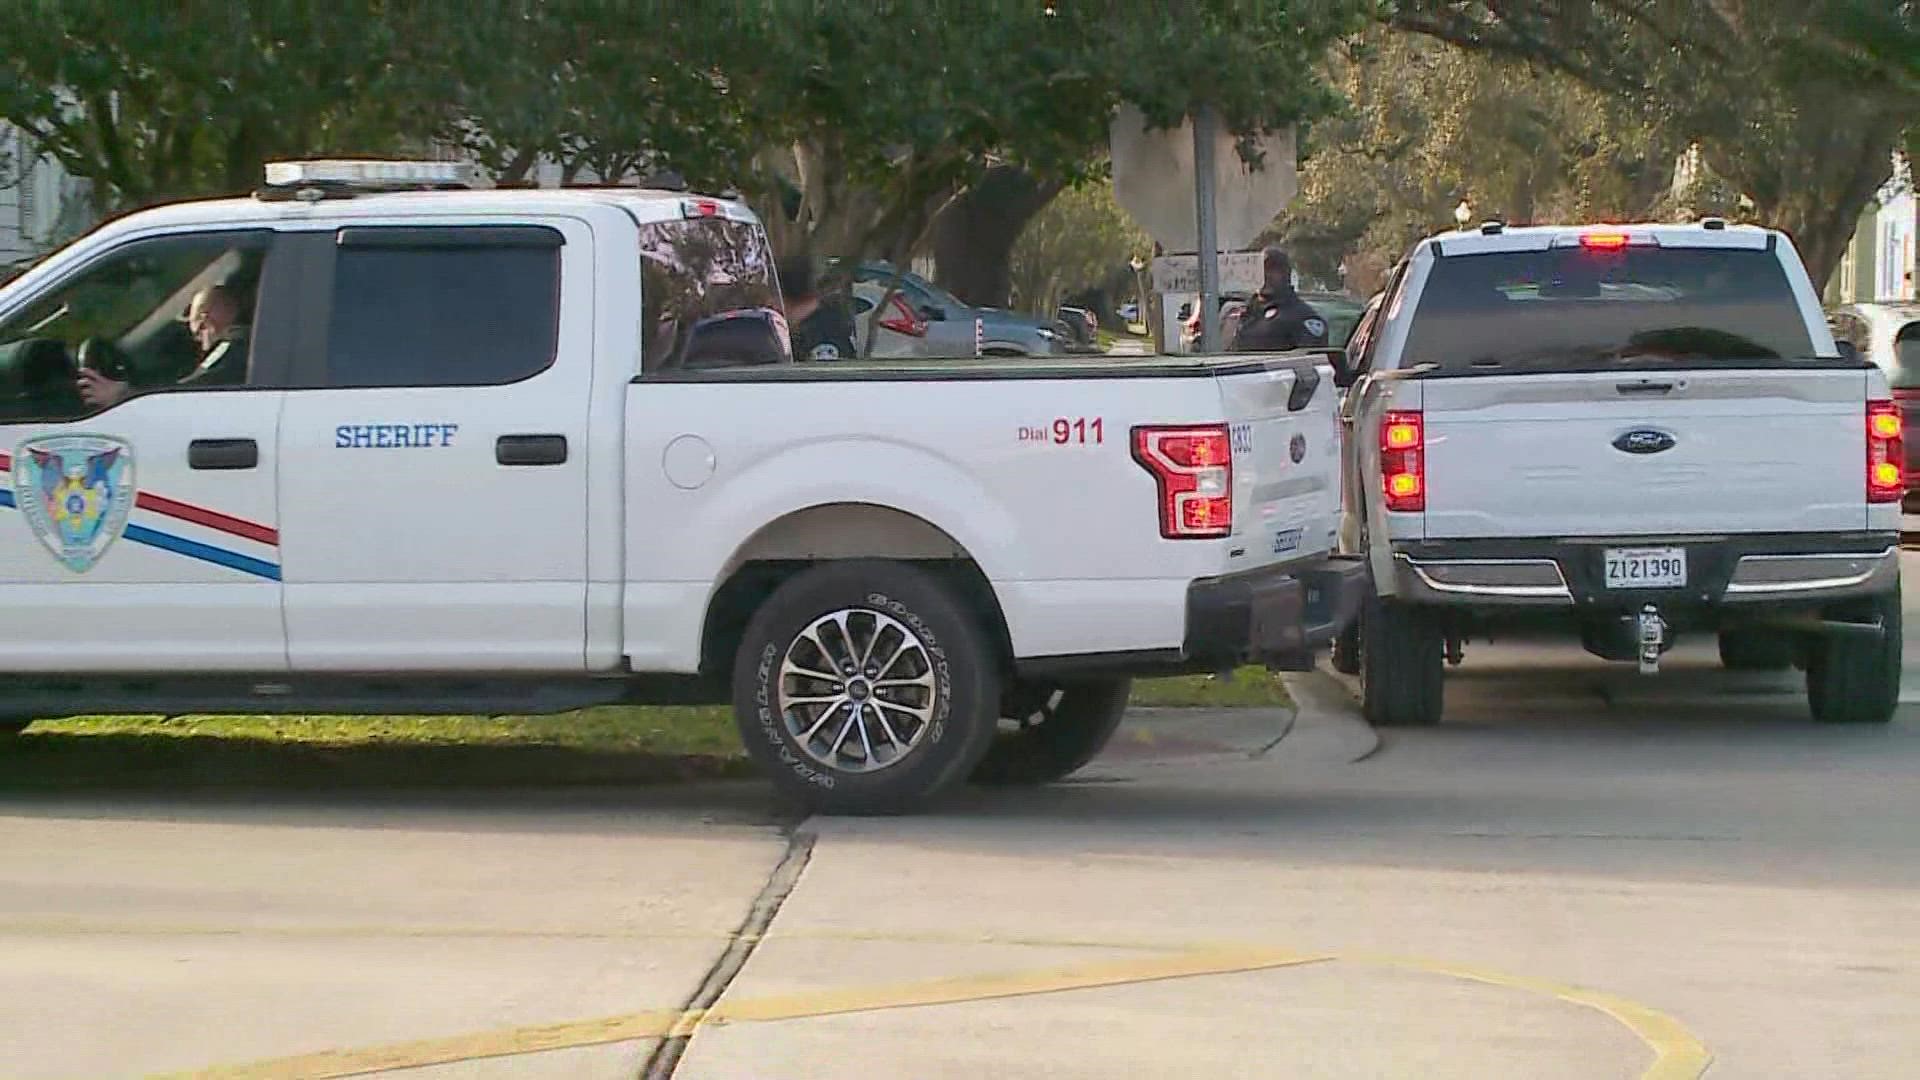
[1817, 193]
[973, 237]
[517, 171]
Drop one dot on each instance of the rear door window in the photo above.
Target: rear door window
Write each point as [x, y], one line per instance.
[1577, 309]
[443, 306]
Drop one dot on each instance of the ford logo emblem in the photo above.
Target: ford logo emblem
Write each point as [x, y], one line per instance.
[1297, 448]
[1644, 441]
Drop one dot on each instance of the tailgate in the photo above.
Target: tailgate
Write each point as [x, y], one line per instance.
[1694, 452]
[1284, 423]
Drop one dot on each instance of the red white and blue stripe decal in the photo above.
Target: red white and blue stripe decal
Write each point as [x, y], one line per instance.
[200, 516]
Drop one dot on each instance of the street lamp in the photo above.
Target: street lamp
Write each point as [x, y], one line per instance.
[1462, 214]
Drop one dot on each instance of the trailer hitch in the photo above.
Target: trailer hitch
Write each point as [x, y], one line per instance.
[1653, 639]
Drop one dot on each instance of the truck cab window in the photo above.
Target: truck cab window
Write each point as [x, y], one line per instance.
[694, 270]
[161, 314]
[459, 306]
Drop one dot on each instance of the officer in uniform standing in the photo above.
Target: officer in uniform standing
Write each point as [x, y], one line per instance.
[819, 330]
[1276, 319]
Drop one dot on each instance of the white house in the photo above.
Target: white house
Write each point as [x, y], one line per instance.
[40, 205]
[1883, 262]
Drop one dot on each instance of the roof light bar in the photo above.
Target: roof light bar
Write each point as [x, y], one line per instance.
[368, 173]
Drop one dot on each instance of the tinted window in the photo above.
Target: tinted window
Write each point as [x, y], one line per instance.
[1575, 309]
[694, 270]
[442, 313]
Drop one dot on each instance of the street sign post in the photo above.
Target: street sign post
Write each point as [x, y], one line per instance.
[1189, 187]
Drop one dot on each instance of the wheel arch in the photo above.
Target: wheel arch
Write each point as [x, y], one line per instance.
[839, 532]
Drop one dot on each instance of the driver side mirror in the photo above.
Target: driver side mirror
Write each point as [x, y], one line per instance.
[1848, 351]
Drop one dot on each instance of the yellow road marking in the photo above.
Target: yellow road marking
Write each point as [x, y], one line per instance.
[1678, 1054]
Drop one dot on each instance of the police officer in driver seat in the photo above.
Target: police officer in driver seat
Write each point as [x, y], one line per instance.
[213, 316]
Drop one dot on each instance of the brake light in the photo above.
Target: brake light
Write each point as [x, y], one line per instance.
[1603, 241]
[1193, 467]
[901, 319]
[1886, 452]
[1403, 461]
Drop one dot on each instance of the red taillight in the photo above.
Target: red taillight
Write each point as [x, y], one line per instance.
[1603, 241]
[901, 319]
[1886, 453]
[1194, 469]
[1403, 461]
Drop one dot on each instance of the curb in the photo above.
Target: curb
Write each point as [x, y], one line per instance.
[1329, 716]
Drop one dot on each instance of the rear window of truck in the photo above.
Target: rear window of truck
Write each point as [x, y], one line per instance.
[1582, 309]
[694, 270]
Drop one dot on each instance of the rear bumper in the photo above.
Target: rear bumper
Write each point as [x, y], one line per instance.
[1278, 616]
[1780, 570]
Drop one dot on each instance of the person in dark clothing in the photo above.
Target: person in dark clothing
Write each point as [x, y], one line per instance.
[213, 316]
[818, 330]
[1276, 319]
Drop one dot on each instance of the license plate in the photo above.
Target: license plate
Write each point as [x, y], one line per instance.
[1646, 568]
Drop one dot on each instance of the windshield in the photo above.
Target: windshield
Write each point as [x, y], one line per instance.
[1574, 308]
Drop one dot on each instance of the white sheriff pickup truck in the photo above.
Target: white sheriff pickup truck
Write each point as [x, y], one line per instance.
[1626, 434]
[352, 446]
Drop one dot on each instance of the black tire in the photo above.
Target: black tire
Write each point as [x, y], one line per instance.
[1856, 679]
[1345, 657]
[1755, 650]
[1402, 677]
[1051, 732]
[944, 724]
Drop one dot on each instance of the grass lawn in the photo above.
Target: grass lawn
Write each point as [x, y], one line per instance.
[1252, 687]
[621, 745]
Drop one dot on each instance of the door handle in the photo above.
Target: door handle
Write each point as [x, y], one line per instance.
[530, 450]
[223, 454]
[1306, 383]
[1644, 386]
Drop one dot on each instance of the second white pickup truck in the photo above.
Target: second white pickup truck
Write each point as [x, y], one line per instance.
[349, 447]
[1625, 434]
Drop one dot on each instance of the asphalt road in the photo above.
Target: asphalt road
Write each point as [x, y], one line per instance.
[1582, 874]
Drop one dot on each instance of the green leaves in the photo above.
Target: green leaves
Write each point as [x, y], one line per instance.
[1798, 104]
[1427, 125]
[904, 104]
[164, 101]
